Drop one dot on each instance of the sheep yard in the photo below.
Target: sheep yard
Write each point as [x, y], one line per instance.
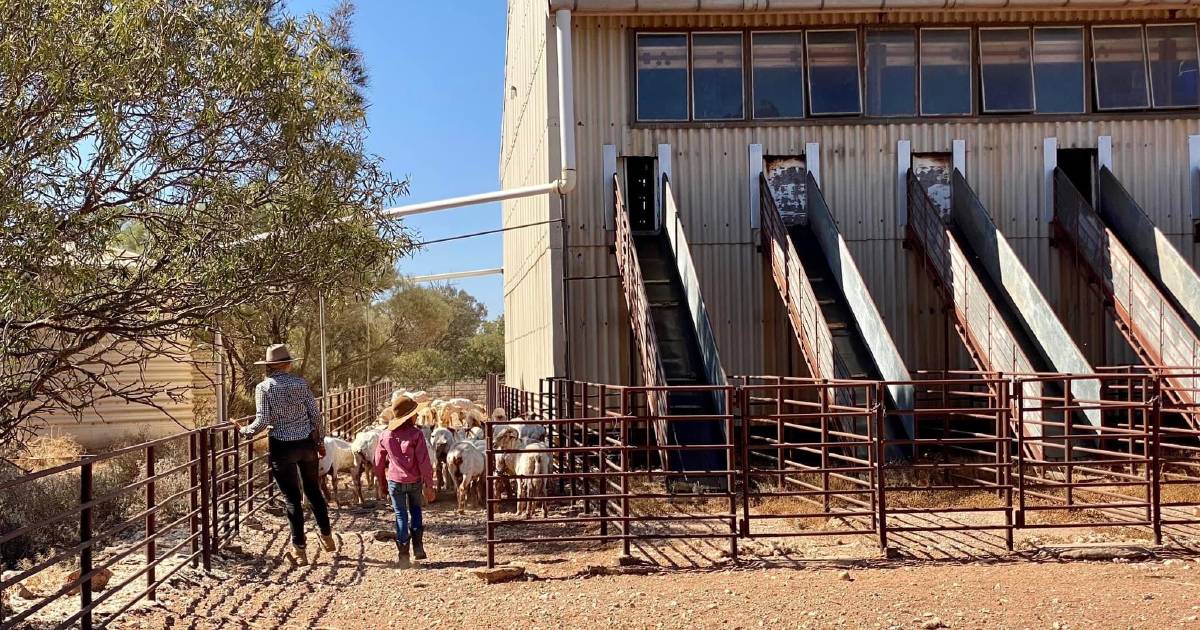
[580, 585]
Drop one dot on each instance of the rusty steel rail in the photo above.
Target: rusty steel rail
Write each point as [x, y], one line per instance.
[991, 343]
[1147, 319]
[961, 447]
[803, 311]
[802, 447]
[802, 456]
[225, 479]
[640, 320]
[603, 453]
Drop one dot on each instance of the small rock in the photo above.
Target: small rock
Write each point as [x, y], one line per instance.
[19, 589]
[99, 580]
[933, 624]
[1105, 553]
[419, 584]
[629, 561]
[845, 576]
[499, 574]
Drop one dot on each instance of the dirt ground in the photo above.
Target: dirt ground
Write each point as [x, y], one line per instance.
[839, 583]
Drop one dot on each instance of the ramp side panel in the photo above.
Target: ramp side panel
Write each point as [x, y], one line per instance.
[807, 320]
[870, 323]
[1149, 246]
[993, 346]
[1026, 301]
[1151, 324]
[673, 226]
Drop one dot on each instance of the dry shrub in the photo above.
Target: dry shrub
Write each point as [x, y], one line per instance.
[48, 451]
[41, 500]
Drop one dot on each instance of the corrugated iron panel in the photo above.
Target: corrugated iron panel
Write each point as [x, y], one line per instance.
[1004, 166]
[526, 154]
[113, 418]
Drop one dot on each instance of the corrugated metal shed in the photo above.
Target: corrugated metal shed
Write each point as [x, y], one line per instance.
[1004, 165]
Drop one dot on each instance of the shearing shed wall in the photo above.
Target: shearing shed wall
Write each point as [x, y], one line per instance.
[858, 176]
[531, 273]
[1004, 164]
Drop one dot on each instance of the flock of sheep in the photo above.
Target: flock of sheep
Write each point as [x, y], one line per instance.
[454, 435]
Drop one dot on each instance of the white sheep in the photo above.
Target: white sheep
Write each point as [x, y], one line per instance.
[339, 458]
[363, 447]
[441, 439]
[465, 463]
[531, 488]
[506, 437]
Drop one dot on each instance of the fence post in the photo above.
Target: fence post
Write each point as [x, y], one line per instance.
[85, 540]
[194, 502]
[1156, 459]
[489, 492]
[1018, 423]
[249, 475]
[625, 460]
[205, 506]
[747, 478]
[151, 518]
[237, 480]
[880, 478]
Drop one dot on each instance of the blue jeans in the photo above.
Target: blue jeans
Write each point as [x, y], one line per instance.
[406, 500]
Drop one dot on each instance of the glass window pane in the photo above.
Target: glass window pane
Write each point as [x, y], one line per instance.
[1171, 49]
[945, 71]
[1058, 70]
[662, 77]
[1120, 61]
[778, 60]
[717, 76]
[891, 73]
[833, 72]
[1005, 58]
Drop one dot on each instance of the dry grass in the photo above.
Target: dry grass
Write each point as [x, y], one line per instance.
[48, 451]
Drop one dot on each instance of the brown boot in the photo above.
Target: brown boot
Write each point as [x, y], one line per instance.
[402, 555]
[418, 546]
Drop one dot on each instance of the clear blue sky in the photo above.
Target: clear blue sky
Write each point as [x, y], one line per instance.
[436, 91]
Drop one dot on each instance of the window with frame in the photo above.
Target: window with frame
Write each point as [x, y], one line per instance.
[891, 70]
[717, 76]
[1172, 56]
[1119, 59]
[1058, 70]
[777, 81]
[1006, 69]
[662, 77]
[833, 80]
[946, 72]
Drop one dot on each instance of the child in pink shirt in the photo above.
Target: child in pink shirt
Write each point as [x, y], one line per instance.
[402, 461]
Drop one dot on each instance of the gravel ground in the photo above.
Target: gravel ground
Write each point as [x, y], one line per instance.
[254, 586]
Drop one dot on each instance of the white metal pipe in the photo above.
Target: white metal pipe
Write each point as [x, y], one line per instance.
[218, 345]
[471, 200]
[459, 274]
[566, 100]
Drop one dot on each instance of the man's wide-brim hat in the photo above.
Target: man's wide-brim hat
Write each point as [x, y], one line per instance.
[403, 409]
[277, 354]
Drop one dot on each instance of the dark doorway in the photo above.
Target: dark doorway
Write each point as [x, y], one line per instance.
[1080, 167]
[639, 181]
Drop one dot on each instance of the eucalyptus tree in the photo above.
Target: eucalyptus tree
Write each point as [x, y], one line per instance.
[142, 142]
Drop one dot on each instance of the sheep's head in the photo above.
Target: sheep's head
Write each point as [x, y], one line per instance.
[506, 438]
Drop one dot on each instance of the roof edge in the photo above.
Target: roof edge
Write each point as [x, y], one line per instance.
[684, 7]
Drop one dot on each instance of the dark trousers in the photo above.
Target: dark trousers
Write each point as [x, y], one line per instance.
[295, 464]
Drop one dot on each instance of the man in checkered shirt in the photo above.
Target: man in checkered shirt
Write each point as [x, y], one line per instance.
[284, 405]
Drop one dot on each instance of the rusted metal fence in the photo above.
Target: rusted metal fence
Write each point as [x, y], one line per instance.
[189, 497]
[800, 455]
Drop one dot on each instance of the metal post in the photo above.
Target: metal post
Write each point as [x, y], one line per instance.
[151, 525]
[602, 463]
[731, 398]
[823, 395]
[625, 473]
[321, 328]
[1019, 392]
[205, 507]
[747, 477]
[85, 540]
[222, 412]
[489, 469]
[1155, 464]
[1068, 443]
[237, 479]
[249, 476]
[880, 478]
[194, 496]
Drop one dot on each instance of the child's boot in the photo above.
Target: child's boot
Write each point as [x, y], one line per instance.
[418, 544]
[402, 555]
